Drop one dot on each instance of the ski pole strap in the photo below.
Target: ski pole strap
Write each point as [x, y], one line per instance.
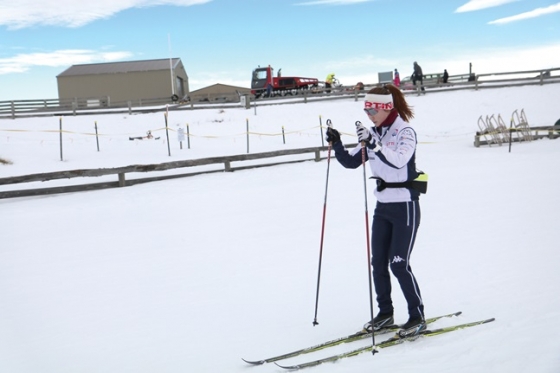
[420, 183]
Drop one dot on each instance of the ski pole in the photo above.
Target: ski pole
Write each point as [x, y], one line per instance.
[329, 125]
[373, 351]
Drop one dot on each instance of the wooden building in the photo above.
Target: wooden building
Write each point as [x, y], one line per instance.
[219, 93]
[124, 81]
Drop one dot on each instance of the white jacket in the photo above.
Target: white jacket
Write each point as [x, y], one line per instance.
[394, 163]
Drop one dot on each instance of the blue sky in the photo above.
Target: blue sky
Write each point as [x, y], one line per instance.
[221, 41]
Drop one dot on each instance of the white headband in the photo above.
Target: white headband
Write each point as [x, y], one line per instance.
[379, 101]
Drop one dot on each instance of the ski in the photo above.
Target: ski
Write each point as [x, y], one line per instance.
[393, 341]
[362, 334]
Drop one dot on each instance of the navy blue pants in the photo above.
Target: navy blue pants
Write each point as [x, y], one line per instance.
[394, 230]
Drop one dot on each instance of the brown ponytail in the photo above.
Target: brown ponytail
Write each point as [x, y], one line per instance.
[399, 102]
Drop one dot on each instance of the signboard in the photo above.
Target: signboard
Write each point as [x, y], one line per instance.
[386, 77]
[181, 134]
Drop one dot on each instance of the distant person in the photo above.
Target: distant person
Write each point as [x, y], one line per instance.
[445, 76]
[269, 89]
[329, 82]
[417, 75]
[397, 79]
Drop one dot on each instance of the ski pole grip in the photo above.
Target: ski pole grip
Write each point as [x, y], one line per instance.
[358, 124]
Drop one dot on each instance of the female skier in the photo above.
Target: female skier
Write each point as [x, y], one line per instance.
[390, 148]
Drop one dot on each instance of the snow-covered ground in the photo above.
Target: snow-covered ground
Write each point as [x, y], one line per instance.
[192, 274]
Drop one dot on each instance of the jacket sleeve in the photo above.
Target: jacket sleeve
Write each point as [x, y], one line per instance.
[352, 159]
[401, 155]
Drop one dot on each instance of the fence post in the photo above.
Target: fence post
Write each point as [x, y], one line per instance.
[60, 137]
[167, 129]
[13, 110]
[321, 130]
[247, 131]
[96, 136]
[122, 181]
[317, 155]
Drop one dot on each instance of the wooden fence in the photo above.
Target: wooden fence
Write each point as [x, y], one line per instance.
[103, 105]
[120, 172]
[58, 107]
[501, 136]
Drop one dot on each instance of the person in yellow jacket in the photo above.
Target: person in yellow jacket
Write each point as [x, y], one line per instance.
[328, 82]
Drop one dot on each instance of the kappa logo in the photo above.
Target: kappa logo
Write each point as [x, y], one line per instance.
[397, 259]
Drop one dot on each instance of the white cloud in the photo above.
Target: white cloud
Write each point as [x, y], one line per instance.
[333, 2]
[473, 5]
[71, 13]
[63, 58]
[532, 14]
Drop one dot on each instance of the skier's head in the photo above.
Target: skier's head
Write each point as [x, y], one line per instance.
[381, 101]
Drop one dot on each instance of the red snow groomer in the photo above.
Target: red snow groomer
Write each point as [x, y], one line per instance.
[279, 85]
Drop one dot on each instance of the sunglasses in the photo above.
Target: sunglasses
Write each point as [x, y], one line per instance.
[371, 111]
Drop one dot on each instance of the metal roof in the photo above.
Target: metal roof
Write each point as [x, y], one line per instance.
[219, 88]
[120, 67]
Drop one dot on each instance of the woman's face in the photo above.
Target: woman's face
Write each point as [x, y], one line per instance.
[379, 117]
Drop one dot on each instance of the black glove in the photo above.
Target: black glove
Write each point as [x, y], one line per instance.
[333, 136]
[374, 145]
